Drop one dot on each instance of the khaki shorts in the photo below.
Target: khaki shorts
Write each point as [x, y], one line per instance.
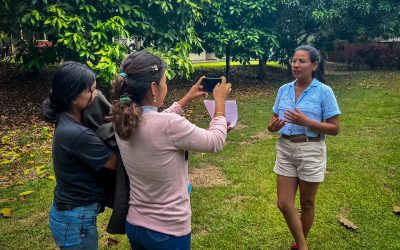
[305, 160]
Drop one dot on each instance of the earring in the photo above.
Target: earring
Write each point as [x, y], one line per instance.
[154, 99]
[75, 102]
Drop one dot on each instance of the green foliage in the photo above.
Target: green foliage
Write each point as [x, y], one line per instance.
[363, 20]
[246, 27]
[91, 31]
[321, 22]
[35, 57]
[250, 29]
[177, 59]
[241, 30]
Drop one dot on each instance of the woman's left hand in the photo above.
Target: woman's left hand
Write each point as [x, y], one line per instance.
[196, 91]
[296, 117]
[228, 125]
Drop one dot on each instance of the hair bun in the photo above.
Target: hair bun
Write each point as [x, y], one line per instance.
[49, 112]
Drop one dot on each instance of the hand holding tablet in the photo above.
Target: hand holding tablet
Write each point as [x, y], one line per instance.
[231, 112]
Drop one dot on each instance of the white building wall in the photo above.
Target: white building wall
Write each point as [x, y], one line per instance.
[203, 56]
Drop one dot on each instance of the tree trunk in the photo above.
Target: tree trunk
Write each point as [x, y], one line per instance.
[262, 68]
[228, 62]
[322, 64]
[289, 68]
[321, 69]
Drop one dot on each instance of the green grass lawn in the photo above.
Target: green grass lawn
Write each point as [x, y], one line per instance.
[362, 183]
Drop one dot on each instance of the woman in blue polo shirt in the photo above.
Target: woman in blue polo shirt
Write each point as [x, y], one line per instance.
[304, 111]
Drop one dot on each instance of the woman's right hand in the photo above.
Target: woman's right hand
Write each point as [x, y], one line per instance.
[275, 124]
[196, 91]
[222, 90]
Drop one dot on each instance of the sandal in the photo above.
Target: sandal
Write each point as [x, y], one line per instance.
[294, 247]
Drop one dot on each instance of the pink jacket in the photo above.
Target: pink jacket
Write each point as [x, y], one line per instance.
[155, 162]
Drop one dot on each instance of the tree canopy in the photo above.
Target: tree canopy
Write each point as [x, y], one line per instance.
[321, 22]
[247, 29]
[91, 31]
[241, 29]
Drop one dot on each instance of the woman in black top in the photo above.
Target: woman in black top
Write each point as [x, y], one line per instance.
[78, 155]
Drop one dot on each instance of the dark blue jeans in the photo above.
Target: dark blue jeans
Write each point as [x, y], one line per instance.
[146, 239]
[76, 228]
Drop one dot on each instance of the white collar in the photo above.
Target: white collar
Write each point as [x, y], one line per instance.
[149, 109]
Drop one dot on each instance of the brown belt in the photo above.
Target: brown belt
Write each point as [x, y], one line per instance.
[300, 138]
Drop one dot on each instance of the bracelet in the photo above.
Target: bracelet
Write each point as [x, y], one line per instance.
[219, 114]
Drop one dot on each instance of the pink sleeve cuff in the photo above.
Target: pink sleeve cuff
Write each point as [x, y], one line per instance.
[174, 108]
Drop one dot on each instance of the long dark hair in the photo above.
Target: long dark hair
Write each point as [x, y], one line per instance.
[315, 57]
[69, 81]
[138, 71]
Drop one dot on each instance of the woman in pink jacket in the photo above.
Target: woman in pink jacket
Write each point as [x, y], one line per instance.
[153, 146]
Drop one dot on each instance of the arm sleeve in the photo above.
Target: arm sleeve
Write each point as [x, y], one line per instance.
[276, 104]
[330, 107]
[90, 149]
[187, 136]
[174, 108]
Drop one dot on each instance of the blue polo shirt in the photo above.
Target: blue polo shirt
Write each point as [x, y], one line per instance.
[317, 102]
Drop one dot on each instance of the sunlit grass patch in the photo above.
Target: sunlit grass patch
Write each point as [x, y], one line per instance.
[25, 154]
